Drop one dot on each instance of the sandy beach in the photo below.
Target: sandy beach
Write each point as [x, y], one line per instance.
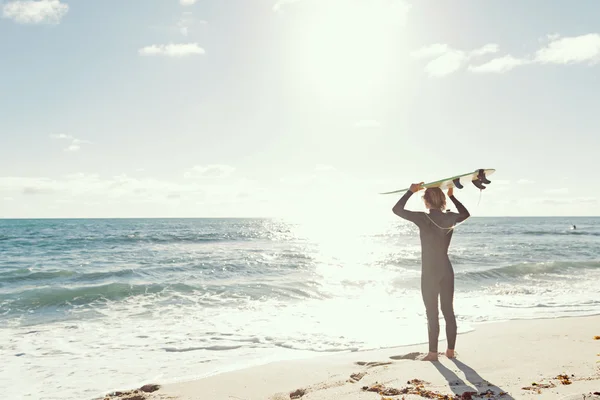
[541, 359]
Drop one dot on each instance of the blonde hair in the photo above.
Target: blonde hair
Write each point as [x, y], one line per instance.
[435, 198]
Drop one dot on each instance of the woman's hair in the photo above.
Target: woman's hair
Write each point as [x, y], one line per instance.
[435, 198]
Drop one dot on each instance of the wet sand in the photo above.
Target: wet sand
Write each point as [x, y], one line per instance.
[536, 359]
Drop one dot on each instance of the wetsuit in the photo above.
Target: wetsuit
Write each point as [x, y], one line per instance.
[437, 275]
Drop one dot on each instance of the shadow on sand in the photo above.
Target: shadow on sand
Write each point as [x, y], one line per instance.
[479, 384]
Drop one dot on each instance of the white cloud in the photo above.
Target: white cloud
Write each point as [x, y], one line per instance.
[75, 144]
[184, 23]
[25, 185]
[35, 12]
[187, 21]
[433, 50]
[135, 196]
[210, 171]
[489, 48]
[73, 147]
[172, 50]
[568, 50]
[32, 191]
[187, 2]
[367, 123]
[447, 60]
[499, 65]
[122, 190]
[446, 64]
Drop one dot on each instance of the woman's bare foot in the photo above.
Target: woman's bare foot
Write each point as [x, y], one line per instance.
[450, 353]
[430, 357]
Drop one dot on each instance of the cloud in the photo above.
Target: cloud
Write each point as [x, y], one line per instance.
[447, 60]
[489, 48]
[367, 123]
[75, 144]
[187, 2]
[499, 65]
[446, 64]
[133, 196]
[570, 50]
[559, 51]
[35, 12]
[172, 50]
[186, 22]
[209, 171]
[36, 190]
[119, 186]
[27, 186]
[433, 50]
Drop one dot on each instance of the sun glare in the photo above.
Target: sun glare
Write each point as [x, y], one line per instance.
[344, 50]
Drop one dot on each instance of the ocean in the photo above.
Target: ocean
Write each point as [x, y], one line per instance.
[92, 306]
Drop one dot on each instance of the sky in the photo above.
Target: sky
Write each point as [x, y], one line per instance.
[303, 108]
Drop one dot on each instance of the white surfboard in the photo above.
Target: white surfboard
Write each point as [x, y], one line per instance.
[476, 178]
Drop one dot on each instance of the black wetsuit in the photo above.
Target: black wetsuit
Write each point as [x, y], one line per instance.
[437, 275]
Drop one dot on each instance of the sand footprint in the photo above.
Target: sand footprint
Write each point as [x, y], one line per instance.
[356, 377]
[372, 363]
[410, 356]
[413, 356]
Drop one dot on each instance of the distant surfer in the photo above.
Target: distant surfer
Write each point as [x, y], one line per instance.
[437, 274]
[574, 227]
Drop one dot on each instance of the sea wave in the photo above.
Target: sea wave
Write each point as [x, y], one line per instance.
[26, 275]
[565, 232]
[33, 299]
[196, 294]
[519, 270]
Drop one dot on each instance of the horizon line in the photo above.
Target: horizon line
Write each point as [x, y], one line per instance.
[96, 218]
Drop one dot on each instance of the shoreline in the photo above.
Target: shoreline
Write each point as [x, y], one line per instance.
[514, 353]
[317, 354]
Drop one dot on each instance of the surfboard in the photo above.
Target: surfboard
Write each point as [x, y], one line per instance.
[476, 178]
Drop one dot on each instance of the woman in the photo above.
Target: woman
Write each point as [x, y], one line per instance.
[437, 275]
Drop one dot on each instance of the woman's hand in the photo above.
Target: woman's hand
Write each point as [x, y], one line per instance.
[450, 191]
[415, 187]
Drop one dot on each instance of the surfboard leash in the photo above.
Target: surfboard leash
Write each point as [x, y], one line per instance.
[442, 228]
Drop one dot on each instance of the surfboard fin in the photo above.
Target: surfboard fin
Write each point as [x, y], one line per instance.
[457, 183]
[481, 176]
[478, 184]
